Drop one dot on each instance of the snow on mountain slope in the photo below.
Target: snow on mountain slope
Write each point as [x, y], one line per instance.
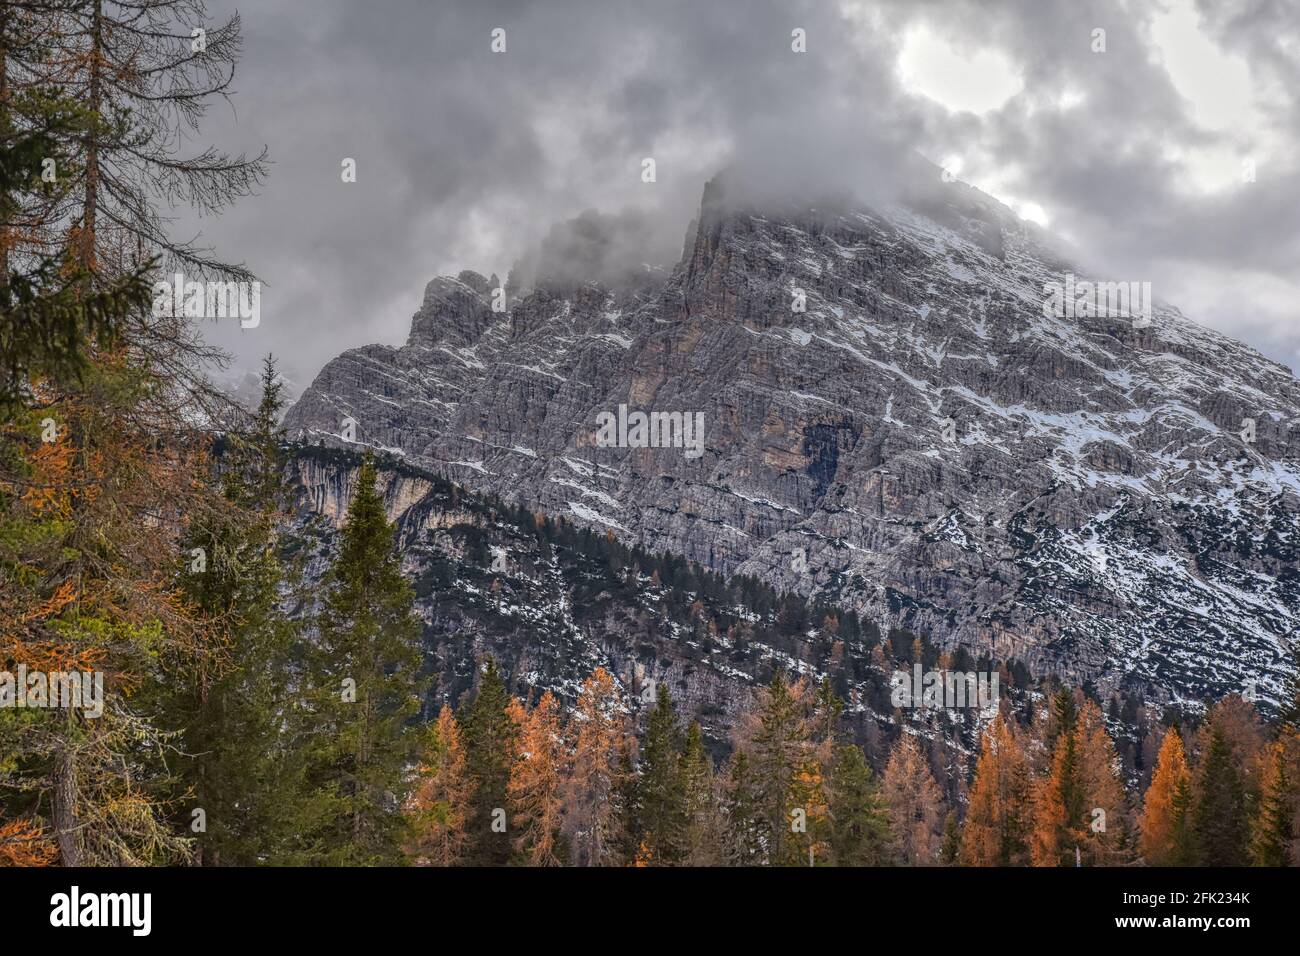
[921, 442]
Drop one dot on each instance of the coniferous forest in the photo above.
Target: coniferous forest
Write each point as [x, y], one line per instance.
[272, 694]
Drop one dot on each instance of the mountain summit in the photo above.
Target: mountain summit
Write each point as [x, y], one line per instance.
[899, 415]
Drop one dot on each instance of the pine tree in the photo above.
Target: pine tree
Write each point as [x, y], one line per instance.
[439, 808]
[104, 503]
[915, 804]
[661, 810]
[999, 811]
[1184, 848]
[367, 688]
[625, 812]
[778, 736]
[534, 786]
[808, 816]
[490, 735]
[950, 850]
[1274, 834]
[702, 836]
[859, 820]
[747, 827]
[1220, 816]
[144, 71]
[597, 727]
[1159, 815]
[234, 765]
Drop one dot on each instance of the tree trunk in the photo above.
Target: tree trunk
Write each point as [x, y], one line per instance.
[67, 827]
[4, 126]
[91, 208]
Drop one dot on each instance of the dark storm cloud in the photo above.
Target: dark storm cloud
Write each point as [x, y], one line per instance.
[466, 159]
[1108, 167]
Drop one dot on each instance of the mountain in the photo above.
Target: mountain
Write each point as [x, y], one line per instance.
[1101, 497]
[551, 600]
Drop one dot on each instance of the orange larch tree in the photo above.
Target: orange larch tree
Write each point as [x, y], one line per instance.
[439, 807]
[24, 843]
[535, 782]
[998, 819]
[596, 728]
[1105, 827]
[1160, 809]
[915, 803]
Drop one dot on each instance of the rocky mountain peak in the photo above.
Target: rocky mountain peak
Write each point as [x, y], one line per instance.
[894, 417]
[453, 312]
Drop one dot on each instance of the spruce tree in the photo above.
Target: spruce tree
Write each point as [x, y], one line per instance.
[702, 837]
[779, 744]
[1274, 828]
[827, 707]
[661, 794]
[1064, 713]
[235, 767]
[859, 818]
[747, 829]
[1184, 848]
[950, 850]
[625, 812]
[1220, 815]
[367, 688]
[489, 735]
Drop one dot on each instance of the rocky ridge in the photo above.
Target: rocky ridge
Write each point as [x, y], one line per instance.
[921, 442]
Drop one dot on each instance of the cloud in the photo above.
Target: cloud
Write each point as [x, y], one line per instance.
[467, 158]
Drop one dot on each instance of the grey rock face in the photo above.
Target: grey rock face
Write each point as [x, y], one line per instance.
[922, 442]
[549, 605]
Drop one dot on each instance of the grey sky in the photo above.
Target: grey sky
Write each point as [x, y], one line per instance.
[466, 158]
